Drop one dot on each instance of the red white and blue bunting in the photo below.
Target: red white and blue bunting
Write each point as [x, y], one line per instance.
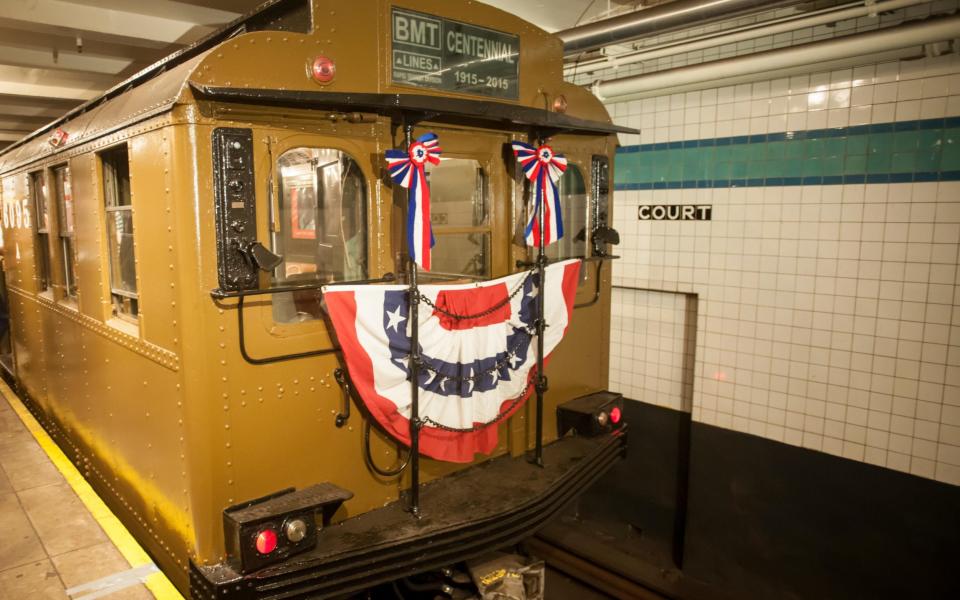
[544, 168]
[408, 169]
[477, 366]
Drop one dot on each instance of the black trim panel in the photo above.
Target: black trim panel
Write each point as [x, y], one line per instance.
[465, 515]
[431, 108]
[236, 207]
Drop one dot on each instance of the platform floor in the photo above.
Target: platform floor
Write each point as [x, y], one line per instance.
[57, 538]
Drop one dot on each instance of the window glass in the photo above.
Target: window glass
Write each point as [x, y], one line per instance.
[123, 269]
[116, 177]
[458, 212]
[38, 189]
[65, 223]
[64, 199]
[456, 193]
[463, 254]
[119, 226]
[320, 229]
[573, 205]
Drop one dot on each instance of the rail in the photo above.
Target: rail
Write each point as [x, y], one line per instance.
[241, 295]
[586, 259]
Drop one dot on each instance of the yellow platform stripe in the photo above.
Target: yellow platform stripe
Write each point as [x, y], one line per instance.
[157, 583]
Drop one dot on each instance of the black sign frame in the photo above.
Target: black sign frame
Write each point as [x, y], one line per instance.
[437, 53]
[675, 212]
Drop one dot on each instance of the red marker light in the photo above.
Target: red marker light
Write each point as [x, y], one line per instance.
[58, 138]
[266, 541]
[560, 104]
[323, 69]
[615, 415]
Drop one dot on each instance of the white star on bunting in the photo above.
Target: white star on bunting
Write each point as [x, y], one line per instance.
[395, 319]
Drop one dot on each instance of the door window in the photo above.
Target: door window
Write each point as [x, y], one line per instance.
[459, 213]
[320, 227]
[573, 205]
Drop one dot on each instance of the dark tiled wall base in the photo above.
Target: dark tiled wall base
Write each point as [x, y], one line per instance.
[769, 520]
[766, 520]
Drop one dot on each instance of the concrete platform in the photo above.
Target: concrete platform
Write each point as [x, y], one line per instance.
[59, 540]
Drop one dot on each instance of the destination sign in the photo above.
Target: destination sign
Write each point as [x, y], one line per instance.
[443, 54]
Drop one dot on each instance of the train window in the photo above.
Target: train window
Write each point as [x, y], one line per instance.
[573, 202]
[64, 196]
[38, 189]
[321, 228]
[119, 211]
[458, 211]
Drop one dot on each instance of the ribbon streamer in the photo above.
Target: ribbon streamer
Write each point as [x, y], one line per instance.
[408, 170]
[544, 168]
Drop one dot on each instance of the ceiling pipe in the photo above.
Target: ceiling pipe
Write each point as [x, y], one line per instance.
[656, 19]
[861, 44]
[787, 24]
[821, 67]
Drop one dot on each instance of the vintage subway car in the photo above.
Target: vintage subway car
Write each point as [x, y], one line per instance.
[150, 233]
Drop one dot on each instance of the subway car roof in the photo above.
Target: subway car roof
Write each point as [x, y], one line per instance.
[171, 71]
[263, 58]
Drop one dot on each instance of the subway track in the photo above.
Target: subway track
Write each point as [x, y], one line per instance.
[570, 577]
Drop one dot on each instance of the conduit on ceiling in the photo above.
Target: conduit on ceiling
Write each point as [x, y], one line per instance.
[829, 51]
[655, 20]
[776, 26]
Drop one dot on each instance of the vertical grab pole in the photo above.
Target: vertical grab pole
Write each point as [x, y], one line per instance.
[414, 300]
[541, 383]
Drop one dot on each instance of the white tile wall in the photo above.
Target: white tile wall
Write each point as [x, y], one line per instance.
[648, 346]
[817, 328]
[828, 315]
[893, 91]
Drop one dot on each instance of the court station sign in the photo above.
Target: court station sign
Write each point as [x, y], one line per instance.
[442, 54]
[675, 212]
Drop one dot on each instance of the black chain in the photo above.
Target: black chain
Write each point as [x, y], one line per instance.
[495, 420]
[486, 312]
[499, 365]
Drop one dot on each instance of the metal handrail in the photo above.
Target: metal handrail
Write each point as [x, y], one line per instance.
[523, 264]
[596, 293]
[220, 294]
[240, 295]
[586, 259]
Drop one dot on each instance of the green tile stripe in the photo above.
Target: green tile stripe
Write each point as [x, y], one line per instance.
[907, 151]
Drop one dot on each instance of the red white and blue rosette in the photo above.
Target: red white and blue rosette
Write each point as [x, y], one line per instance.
[544, 168]
[409, 170]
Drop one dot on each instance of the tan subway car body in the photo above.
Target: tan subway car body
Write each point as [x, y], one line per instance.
[136, 369]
